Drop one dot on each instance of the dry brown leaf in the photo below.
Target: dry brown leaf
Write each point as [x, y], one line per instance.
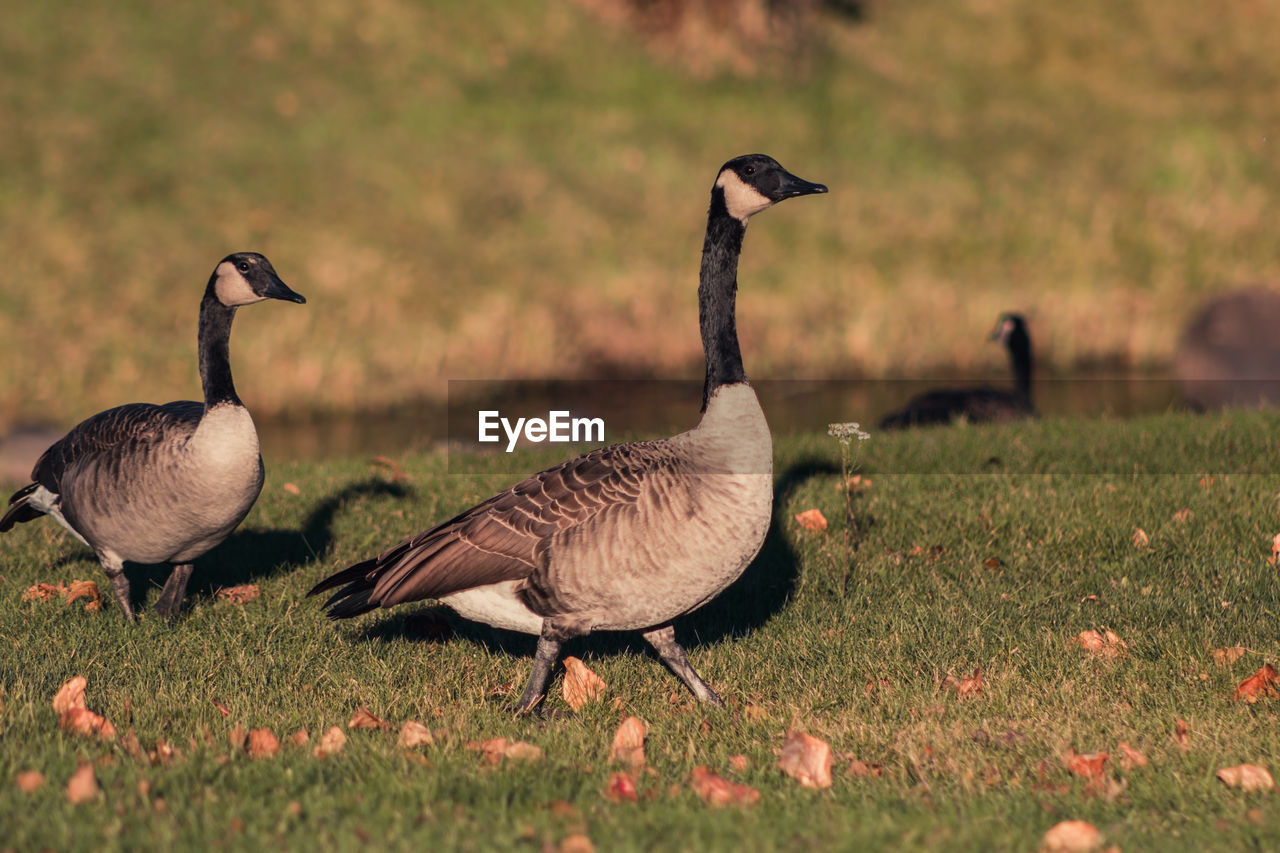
[44, 592]
[755, 713]
[498, 748]
[262, 743]
[239, 594]
[292, 488]
[1182, 514]
[1140, 538]
[739, 762]
[1102, 643]
[85, 722]
[861, 768]
[1247, 777]
[1226, 657]
[163, 753]
[580, 685]
[83, 785]
[363, 718]
[812, 519]
[1090, 765]
[621, 788]
[70, 695]
[85, 589]
[806, 759]
[1072, 836]
[299, 738]
[1130, 757]
[222, 709]
[413, 734]
[576, 843]
[970, 685]
[1258, 685]
[1182, 733]
[718, 791]
[1275, 551]
[29, 780]
[331, 743]
[628, 742]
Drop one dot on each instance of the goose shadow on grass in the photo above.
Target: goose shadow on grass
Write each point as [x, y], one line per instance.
[249, 555]
[762, 591]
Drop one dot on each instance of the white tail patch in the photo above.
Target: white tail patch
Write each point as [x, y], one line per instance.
[232, 288]
[741, 198]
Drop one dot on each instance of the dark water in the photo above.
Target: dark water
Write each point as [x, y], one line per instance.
[637, 408]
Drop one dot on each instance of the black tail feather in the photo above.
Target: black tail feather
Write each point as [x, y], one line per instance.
[357, 584]
[355, 574]
[20, 508]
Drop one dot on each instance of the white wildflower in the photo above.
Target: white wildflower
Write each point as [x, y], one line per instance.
[847, 431]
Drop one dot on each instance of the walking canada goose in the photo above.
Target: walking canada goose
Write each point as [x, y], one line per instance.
[626, 537]
[162, 484]
[977, 405]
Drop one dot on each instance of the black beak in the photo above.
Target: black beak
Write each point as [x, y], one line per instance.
[791, 186]
[277, 289]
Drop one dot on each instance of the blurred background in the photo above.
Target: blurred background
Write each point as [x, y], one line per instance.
[516, 190]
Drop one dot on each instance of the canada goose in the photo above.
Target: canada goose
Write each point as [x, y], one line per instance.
[1229, 353]
[162, 484]
[977, 405]
[626, 537]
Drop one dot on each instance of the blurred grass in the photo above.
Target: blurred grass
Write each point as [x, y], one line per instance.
[849, 638]
[521, 191]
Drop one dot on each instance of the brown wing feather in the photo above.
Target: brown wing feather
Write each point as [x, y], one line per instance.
[504, 538]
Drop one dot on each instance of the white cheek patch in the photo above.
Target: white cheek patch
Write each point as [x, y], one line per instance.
[741, 198]
[231, 287]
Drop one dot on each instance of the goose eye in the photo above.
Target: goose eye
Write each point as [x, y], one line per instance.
[749, 170]
[244, 266]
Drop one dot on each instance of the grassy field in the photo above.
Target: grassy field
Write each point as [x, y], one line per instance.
[520, 191]
[967, 548]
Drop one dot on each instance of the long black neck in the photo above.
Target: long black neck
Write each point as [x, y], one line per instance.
[1019, 346]
[215, 360]
[717, 297]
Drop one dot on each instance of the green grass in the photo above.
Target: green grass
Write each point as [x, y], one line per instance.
[520, 190]
[971, 547]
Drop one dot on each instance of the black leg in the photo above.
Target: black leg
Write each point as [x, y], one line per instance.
[664, 642]
[545, 658]
[170, 601]
[114, 567]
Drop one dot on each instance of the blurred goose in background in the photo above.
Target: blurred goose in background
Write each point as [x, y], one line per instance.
[626, 537]
[1229, 354]
[978, 405]
[162, 484]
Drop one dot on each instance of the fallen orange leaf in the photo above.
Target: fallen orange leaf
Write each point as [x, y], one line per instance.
[44, 592]
[575, 843]
[299, 738]
[970, 685]
[1275, 550]
[29, 780]
[83, 785]
[1130, 757]
[1101, 643]
[806, 759]
[718, 791]
[85, 722]
[1182, 733]
[812, 519]
[85, 589]
[1140, 538]
[70, 695]
[222, 709]
[1246, 777]
[292, 488]
[628, 742]
[163, 753]
[739, 762]
[412, 734]
[581, 685]
[331, 743]
[1090, 765]
[1182, 514]
[861, 768]
[239, 594]
[498, 748]
[1072, 836]
[621, 788]
[1258, 685]
[262, 743]
[363, 718]
[1226, 657]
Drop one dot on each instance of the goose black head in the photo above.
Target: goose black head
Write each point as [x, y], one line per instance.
[753, 182]
[1009, 326]
[248, 277]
